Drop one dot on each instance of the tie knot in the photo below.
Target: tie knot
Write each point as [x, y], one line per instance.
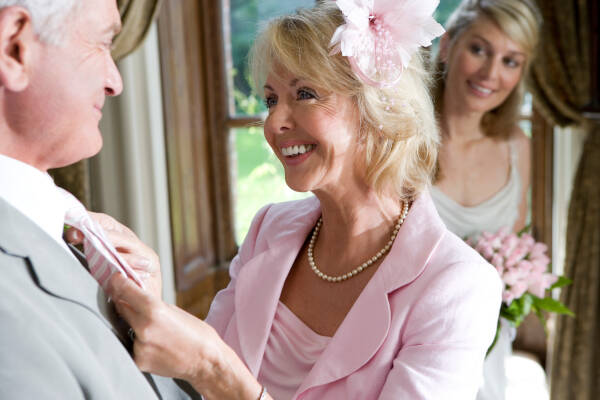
[75, 215]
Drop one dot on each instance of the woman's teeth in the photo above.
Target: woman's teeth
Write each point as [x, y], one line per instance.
[481, 89]
[296, 150]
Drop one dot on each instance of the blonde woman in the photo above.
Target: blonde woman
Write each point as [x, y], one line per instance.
[359, 292]
[483, 174]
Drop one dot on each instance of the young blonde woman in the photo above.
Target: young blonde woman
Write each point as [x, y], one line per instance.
[359, 292]
[484, 161]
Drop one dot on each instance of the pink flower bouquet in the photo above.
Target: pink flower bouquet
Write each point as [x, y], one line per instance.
[523, 265]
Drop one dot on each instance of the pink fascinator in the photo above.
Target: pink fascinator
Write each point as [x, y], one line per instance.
[380, 36]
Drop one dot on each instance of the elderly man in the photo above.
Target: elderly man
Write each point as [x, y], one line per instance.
[57, 334]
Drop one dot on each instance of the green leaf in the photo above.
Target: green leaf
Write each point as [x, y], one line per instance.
[496, 336]
[525, 229]
[526, 303]
[551, 305]
[562, 281]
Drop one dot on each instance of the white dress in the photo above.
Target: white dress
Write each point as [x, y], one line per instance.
[500, 210]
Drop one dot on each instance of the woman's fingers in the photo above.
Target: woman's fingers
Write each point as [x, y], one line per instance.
[140, 257]
[73, 236]
[133, 303]
[108, 223]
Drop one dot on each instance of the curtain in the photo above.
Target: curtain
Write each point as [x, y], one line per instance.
[560, 76]
[576, 357]
[561, 86]
[137, 17]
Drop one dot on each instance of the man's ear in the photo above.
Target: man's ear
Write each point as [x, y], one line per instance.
[17, 37]
[444, 47]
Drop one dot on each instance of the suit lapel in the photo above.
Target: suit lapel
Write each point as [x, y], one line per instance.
[53, 269]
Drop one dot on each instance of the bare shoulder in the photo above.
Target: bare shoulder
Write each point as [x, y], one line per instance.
[522, 144]
[521, 141]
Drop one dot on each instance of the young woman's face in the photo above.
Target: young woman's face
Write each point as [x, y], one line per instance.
[313, 133]
[483, 67]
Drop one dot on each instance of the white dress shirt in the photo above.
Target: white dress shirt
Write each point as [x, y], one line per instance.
[35, 195]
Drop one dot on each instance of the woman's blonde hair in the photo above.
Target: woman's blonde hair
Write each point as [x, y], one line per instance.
[397, 124]
[520, 20]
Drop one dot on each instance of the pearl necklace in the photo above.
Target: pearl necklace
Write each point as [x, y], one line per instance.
[363, 266]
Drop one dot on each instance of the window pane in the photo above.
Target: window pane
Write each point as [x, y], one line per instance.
[526, 106]
[260, 178]
[246, 16]
[445, 8]
[526, 126]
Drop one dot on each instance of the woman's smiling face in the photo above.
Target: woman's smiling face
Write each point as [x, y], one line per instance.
[314, 133]
[483, 67]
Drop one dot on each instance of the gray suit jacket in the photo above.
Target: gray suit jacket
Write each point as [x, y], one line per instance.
[55, 340]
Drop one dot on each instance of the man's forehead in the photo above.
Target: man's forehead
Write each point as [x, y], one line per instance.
[100, 17]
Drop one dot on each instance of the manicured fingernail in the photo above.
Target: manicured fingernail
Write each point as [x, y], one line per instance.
[142, 263]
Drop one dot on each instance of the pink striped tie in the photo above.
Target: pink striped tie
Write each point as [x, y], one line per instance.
[102, 257]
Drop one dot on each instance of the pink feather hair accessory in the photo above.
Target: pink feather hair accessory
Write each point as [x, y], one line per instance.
[380, 36]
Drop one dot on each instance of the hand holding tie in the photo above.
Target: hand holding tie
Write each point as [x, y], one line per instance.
[141, 258]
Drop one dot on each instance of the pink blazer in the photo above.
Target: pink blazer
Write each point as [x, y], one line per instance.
[419, 329]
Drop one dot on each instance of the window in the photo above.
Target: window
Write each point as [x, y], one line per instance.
[259, 176]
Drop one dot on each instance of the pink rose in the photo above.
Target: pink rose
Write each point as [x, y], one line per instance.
[485, 249]
[512, 275]
[539, 283]
[508, 245]
[517, 255]
[538, 249]
[524, 265]
[517, 290]
[508, 297]
[497, 261]
[540, 263]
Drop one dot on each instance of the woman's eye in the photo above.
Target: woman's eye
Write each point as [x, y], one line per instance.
[305, 94]
[476, 49]
[270, 101]
[511, 63]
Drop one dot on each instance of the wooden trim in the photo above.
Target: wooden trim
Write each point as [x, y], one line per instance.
[542, 150]
[244, 122]
[215, 24]
[187, 128]
[199, 146]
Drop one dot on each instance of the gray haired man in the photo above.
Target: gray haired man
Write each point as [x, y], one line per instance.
[57, 340]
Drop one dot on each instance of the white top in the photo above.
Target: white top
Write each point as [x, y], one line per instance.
[35, 195]
[292, 350]
[502, 209]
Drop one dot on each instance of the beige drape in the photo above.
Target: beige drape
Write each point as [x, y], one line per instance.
[560, 76]
[137, 17]
[560, 84]
[576, 359]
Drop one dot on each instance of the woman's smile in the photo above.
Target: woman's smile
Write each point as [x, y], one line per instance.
[294, 154]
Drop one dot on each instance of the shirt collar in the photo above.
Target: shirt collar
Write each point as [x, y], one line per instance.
[34, 194]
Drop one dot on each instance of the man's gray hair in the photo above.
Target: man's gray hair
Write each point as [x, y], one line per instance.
[48, 16]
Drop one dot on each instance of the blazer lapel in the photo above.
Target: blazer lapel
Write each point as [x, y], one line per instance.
[52, 268]
[261, 280]
[369, 319]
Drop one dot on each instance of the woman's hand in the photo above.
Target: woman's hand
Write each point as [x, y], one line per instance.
[139, 256]
[171, 342]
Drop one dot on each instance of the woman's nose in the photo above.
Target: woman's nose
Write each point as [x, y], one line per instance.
[281, 118]
[490, 69]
